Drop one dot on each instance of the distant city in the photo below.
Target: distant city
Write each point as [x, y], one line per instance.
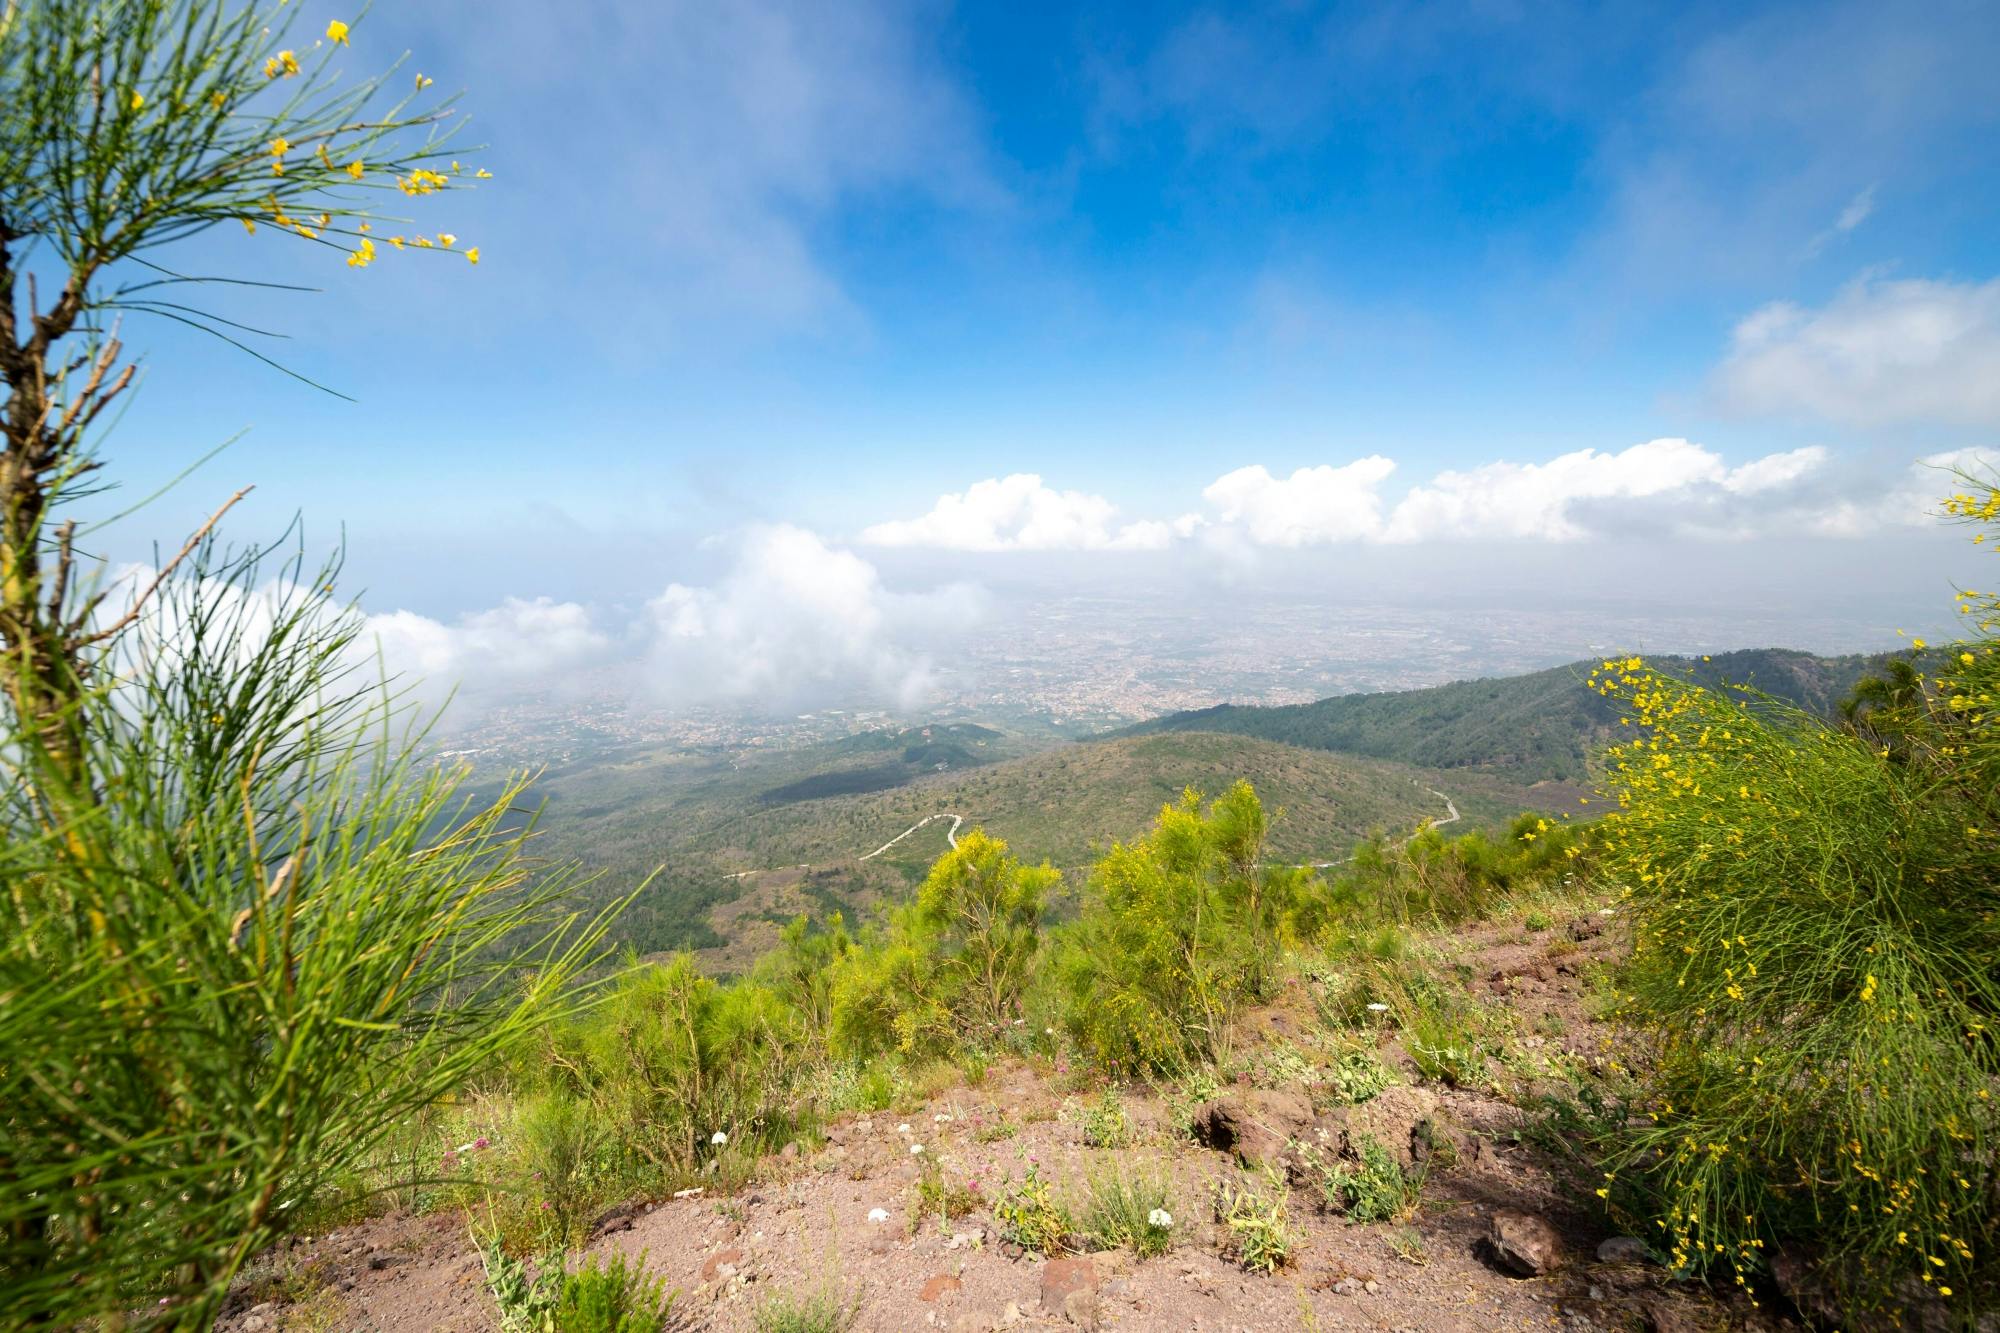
[1073, 667]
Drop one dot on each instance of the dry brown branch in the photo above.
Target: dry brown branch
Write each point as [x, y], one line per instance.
[138, 604]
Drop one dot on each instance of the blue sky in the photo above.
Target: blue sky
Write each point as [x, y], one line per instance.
[752, 263]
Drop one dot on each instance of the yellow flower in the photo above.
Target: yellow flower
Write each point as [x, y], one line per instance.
[279, 147]
[138, 100]
[447, 240]
[284, 63]
[363, 256]
[472, 254]
[1965, 658]
[336, 32]
[396, 241]
[483, 174]
[324, 160]
[217, 100]
[422, 83]
[355, 168]
[1918, 644]
[248, 226]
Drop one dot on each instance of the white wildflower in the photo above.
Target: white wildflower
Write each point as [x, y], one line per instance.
[878, 1214]
[1378, 1008]
[1160, 1218]
[940, 1119]
[903, 1128]
[718, 1138]
[916, 1150]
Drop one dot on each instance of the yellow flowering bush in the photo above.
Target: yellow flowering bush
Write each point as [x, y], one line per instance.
[1815, 977]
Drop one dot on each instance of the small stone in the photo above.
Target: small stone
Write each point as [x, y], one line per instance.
[1371, 1286]
[790, 1152]
[261, 1307]
[712, 1267]
[1080, 1308]
[1523, 1244]
[1062, 1277]
[255, 1323]
[1622, 1250]
[385, 1259]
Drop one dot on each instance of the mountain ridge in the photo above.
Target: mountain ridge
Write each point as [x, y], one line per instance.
[1536, 727]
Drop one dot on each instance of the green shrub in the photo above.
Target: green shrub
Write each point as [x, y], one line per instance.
[1441, 880]
[557, 1141]
[613, 1296]
[1372, 1188]
[604, 1296]
[1130, 1208]
[1032, 1217]
[1261, 1238]
[1105, 1124]
[1355, 1077]
[953, 969]
[1816, 970]
[1178, 932]
[673, 1058]
[1440, 1032]
[821, 1310]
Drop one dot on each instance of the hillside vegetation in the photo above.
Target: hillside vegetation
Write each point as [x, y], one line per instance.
[700, 821]
[1533, 728]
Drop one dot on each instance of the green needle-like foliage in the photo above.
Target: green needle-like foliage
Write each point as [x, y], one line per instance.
[275, 935]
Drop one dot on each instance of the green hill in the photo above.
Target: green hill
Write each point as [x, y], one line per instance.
[721, 840]
[1538, 727]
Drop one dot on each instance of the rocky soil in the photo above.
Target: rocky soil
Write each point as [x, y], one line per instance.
[1497, 1240]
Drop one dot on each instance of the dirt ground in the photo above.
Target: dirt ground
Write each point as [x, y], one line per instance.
[805, 1223]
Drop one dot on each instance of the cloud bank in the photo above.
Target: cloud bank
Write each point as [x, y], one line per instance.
[792, 621]
[1020, 513]
[1665, 486]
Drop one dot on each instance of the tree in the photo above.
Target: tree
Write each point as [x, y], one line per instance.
[127, 126]
[252, 927]
[953, 968]
[1179, 930]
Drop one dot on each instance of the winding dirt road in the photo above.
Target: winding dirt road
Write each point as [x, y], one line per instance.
[951, 838]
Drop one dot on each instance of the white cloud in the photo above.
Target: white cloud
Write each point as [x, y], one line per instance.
[1543, 501]
[519, 641]
[1879, 353]
[793, 620]
[1667, 486]
[1021, 513]
[1313, 505]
